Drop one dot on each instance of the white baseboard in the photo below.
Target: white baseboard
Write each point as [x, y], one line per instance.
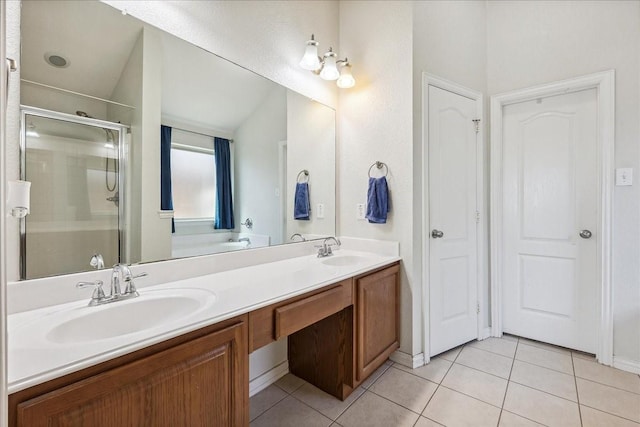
[485, 333]
[408, 360]
[626, 364]
[271, 376]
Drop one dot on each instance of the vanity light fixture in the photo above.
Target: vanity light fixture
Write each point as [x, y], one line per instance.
[329, 67]
[346, 79]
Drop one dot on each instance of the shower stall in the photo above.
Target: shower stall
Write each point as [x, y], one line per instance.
[76, 166]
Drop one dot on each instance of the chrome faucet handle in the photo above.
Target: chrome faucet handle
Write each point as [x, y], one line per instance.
[98, 292]
[130, 287]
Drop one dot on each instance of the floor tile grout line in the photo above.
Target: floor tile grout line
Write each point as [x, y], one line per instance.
[351, 404]
[575, 381]
[472, 397]
[378, 377]
[410, 371]
[314, 409]
[442, 379]
[280, 400]
[544, 391]
[364, 391]
[484, 372]
[609, 413]
[506, 390]
[544, 367]
[422, 416]
[607, 385]
[396, 403]
[294, 390]
[531, 363]
[605, 366]
[489, 351]
[494, 353]
[440, 424]
[522, 416]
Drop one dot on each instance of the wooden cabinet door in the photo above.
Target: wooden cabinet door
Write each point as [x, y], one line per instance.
[377, 320]
[202, 382]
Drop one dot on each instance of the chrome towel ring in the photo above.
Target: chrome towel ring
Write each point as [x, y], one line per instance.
[379, 165]
[305, 174]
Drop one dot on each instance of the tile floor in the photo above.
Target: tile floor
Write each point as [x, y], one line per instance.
[505, 381]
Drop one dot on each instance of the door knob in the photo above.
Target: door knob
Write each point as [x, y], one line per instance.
[437, 234]
[585, 234]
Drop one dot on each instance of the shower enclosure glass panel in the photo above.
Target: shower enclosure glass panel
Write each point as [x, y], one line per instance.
[74, 170]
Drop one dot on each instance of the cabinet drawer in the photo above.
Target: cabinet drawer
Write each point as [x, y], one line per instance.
[298, 315]
[270, 323]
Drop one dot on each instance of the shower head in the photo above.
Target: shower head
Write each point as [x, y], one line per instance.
[109, 132]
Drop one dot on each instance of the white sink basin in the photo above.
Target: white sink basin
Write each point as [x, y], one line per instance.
[341, 261]
[150, 310]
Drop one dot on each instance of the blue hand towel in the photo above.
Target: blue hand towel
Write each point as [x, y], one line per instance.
[377, 200]
[301, 204]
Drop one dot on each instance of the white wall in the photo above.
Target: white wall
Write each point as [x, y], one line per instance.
[256, 165]
[128, 91]
[311, 135]
[375, 123]
[264, 36]
[140, 85]
[531, 43]
[12, 146]
[3, 247]
[155, 232]
[50, 99]
[449, 42]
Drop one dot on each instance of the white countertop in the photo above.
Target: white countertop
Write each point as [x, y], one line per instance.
[34, 359]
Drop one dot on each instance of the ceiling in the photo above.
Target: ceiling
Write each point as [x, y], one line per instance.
[197, 87]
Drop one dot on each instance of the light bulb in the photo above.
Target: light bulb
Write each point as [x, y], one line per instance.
[329, 69]
[310, 60]
[346, 80]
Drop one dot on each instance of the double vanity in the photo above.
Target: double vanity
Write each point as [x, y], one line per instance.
[179, 353]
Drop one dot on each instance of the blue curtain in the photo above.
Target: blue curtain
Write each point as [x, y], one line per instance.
[166, 198]
[224, 198]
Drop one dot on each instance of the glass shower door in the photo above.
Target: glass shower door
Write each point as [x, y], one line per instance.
[74, 170]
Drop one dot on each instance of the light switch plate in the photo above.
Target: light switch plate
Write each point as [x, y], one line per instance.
[624, 176]
[320, 211]
[360, 211]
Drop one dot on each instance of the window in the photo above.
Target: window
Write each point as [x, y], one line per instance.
[193, 180]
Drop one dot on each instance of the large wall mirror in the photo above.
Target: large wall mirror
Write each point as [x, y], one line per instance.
[142, 147]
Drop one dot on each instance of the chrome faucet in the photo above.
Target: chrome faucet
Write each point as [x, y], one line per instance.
[245, 239]
[294, 235]
[324, 250]
[120, 275]
[97, 261]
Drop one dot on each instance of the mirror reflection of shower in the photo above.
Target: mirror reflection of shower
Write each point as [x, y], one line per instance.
[77, 205]
[115, 198]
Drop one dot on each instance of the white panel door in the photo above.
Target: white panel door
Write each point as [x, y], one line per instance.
[453, 272]
[550, 198]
